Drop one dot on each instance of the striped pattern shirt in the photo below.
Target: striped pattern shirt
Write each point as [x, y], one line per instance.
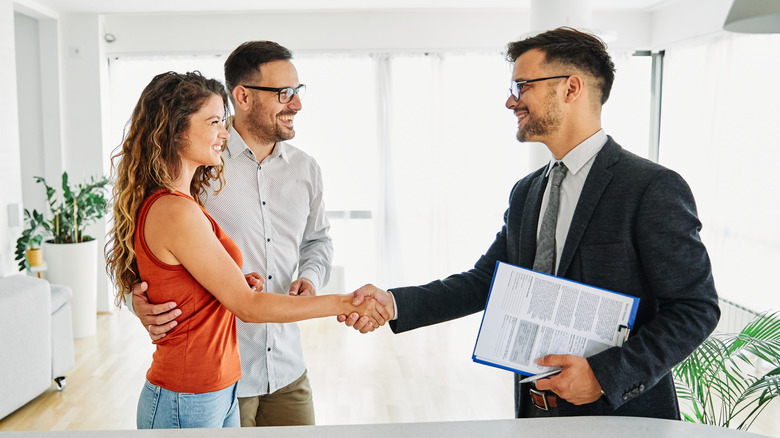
[274, 211]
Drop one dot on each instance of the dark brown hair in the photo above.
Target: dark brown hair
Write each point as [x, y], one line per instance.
[244, 63]
[570, 47]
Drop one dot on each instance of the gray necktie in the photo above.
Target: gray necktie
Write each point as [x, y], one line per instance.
[545, 245]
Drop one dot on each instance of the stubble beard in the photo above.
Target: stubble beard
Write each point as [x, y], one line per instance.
[538, 127]
[265, 131]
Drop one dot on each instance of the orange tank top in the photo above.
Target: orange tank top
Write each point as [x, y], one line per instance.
[201, 353]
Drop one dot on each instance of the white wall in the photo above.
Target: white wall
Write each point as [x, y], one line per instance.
[30, 103]
[84, 108]
[62, 75]
[10, 164]
[407, 30]
[688, 19]
[82, 121]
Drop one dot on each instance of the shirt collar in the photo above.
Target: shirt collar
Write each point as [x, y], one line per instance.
[281, 150]
[237, 146]
[581, 154]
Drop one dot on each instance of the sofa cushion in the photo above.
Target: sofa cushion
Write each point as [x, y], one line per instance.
[60, 295]
[25, 340]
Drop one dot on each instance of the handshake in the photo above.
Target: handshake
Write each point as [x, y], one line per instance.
[366, 309]
[370, 306]
[373, 307]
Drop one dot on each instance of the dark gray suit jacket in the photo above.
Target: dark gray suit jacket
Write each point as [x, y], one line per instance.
[635, 230]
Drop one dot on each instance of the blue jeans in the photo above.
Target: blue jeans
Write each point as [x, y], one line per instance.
[159, 408]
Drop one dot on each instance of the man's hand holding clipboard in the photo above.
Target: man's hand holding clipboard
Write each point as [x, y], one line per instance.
[575, 382]
[544, 326]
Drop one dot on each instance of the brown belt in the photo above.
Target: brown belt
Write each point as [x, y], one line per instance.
[543, 400]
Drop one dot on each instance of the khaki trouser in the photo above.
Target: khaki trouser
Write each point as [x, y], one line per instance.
[290, 406]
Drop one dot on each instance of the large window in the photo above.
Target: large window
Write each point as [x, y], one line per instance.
[418, 151]
[719, 130]
[626, 115]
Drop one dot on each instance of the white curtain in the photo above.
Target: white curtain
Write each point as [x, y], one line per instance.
[719, 130]
[338, 126]
[626, 115]
[454, 161]
[423, 142]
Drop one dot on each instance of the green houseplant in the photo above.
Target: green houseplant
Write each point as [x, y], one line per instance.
[31, 238]
[718, 384]
[78, 207]
[71, 255]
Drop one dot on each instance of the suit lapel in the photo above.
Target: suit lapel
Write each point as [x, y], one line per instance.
[595, 184]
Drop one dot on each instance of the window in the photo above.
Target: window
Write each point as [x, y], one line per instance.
[719, 131]
[418, 151]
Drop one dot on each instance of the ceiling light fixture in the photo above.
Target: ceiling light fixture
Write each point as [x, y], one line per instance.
[754, 16]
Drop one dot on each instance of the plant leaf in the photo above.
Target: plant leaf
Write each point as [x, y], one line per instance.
[719, 371]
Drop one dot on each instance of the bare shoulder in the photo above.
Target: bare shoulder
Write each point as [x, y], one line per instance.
[176, 213]
[171, 222]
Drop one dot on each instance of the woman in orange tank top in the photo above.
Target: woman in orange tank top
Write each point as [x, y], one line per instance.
[162, 235]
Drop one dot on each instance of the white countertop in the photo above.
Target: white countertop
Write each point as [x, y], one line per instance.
[580, 427]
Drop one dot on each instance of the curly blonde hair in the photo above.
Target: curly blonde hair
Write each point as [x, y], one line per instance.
[149, 161]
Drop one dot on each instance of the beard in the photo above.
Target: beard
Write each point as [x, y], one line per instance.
[267, 130]
[549, 120]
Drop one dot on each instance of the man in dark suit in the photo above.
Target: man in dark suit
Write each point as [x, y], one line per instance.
[623, 223]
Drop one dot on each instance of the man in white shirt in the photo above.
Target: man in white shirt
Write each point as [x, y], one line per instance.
[272, 206]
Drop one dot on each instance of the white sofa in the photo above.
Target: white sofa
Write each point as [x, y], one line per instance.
[36, 339]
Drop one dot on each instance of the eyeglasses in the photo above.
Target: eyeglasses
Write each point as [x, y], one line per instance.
[285, 94]
[518, 87]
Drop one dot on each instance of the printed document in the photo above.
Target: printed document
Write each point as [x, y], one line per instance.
[529, 315]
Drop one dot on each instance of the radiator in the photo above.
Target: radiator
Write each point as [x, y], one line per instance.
[733, 317]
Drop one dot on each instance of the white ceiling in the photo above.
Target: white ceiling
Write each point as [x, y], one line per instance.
[163, 6]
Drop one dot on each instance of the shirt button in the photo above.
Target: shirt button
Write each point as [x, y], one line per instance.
[270, 277]
[263, 202]
[269, 349]
[268, 240]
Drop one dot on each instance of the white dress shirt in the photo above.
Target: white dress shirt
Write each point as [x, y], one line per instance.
[274, 211]
[579, 161]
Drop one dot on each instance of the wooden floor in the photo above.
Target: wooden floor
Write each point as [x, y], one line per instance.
[427, 375]
[423, 375]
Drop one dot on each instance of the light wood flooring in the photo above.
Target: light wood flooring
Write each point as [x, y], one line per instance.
[423, 375]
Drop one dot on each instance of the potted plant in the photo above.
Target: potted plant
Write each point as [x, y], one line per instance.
[732, 377]
[71, 254]
[28, 245]
[78, 208]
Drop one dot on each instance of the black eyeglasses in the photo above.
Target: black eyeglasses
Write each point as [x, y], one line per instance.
[285, 94]
[518, 87]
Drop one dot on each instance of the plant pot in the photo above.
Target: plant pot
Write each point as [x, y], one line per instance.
[75, 265]
[34, 256]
